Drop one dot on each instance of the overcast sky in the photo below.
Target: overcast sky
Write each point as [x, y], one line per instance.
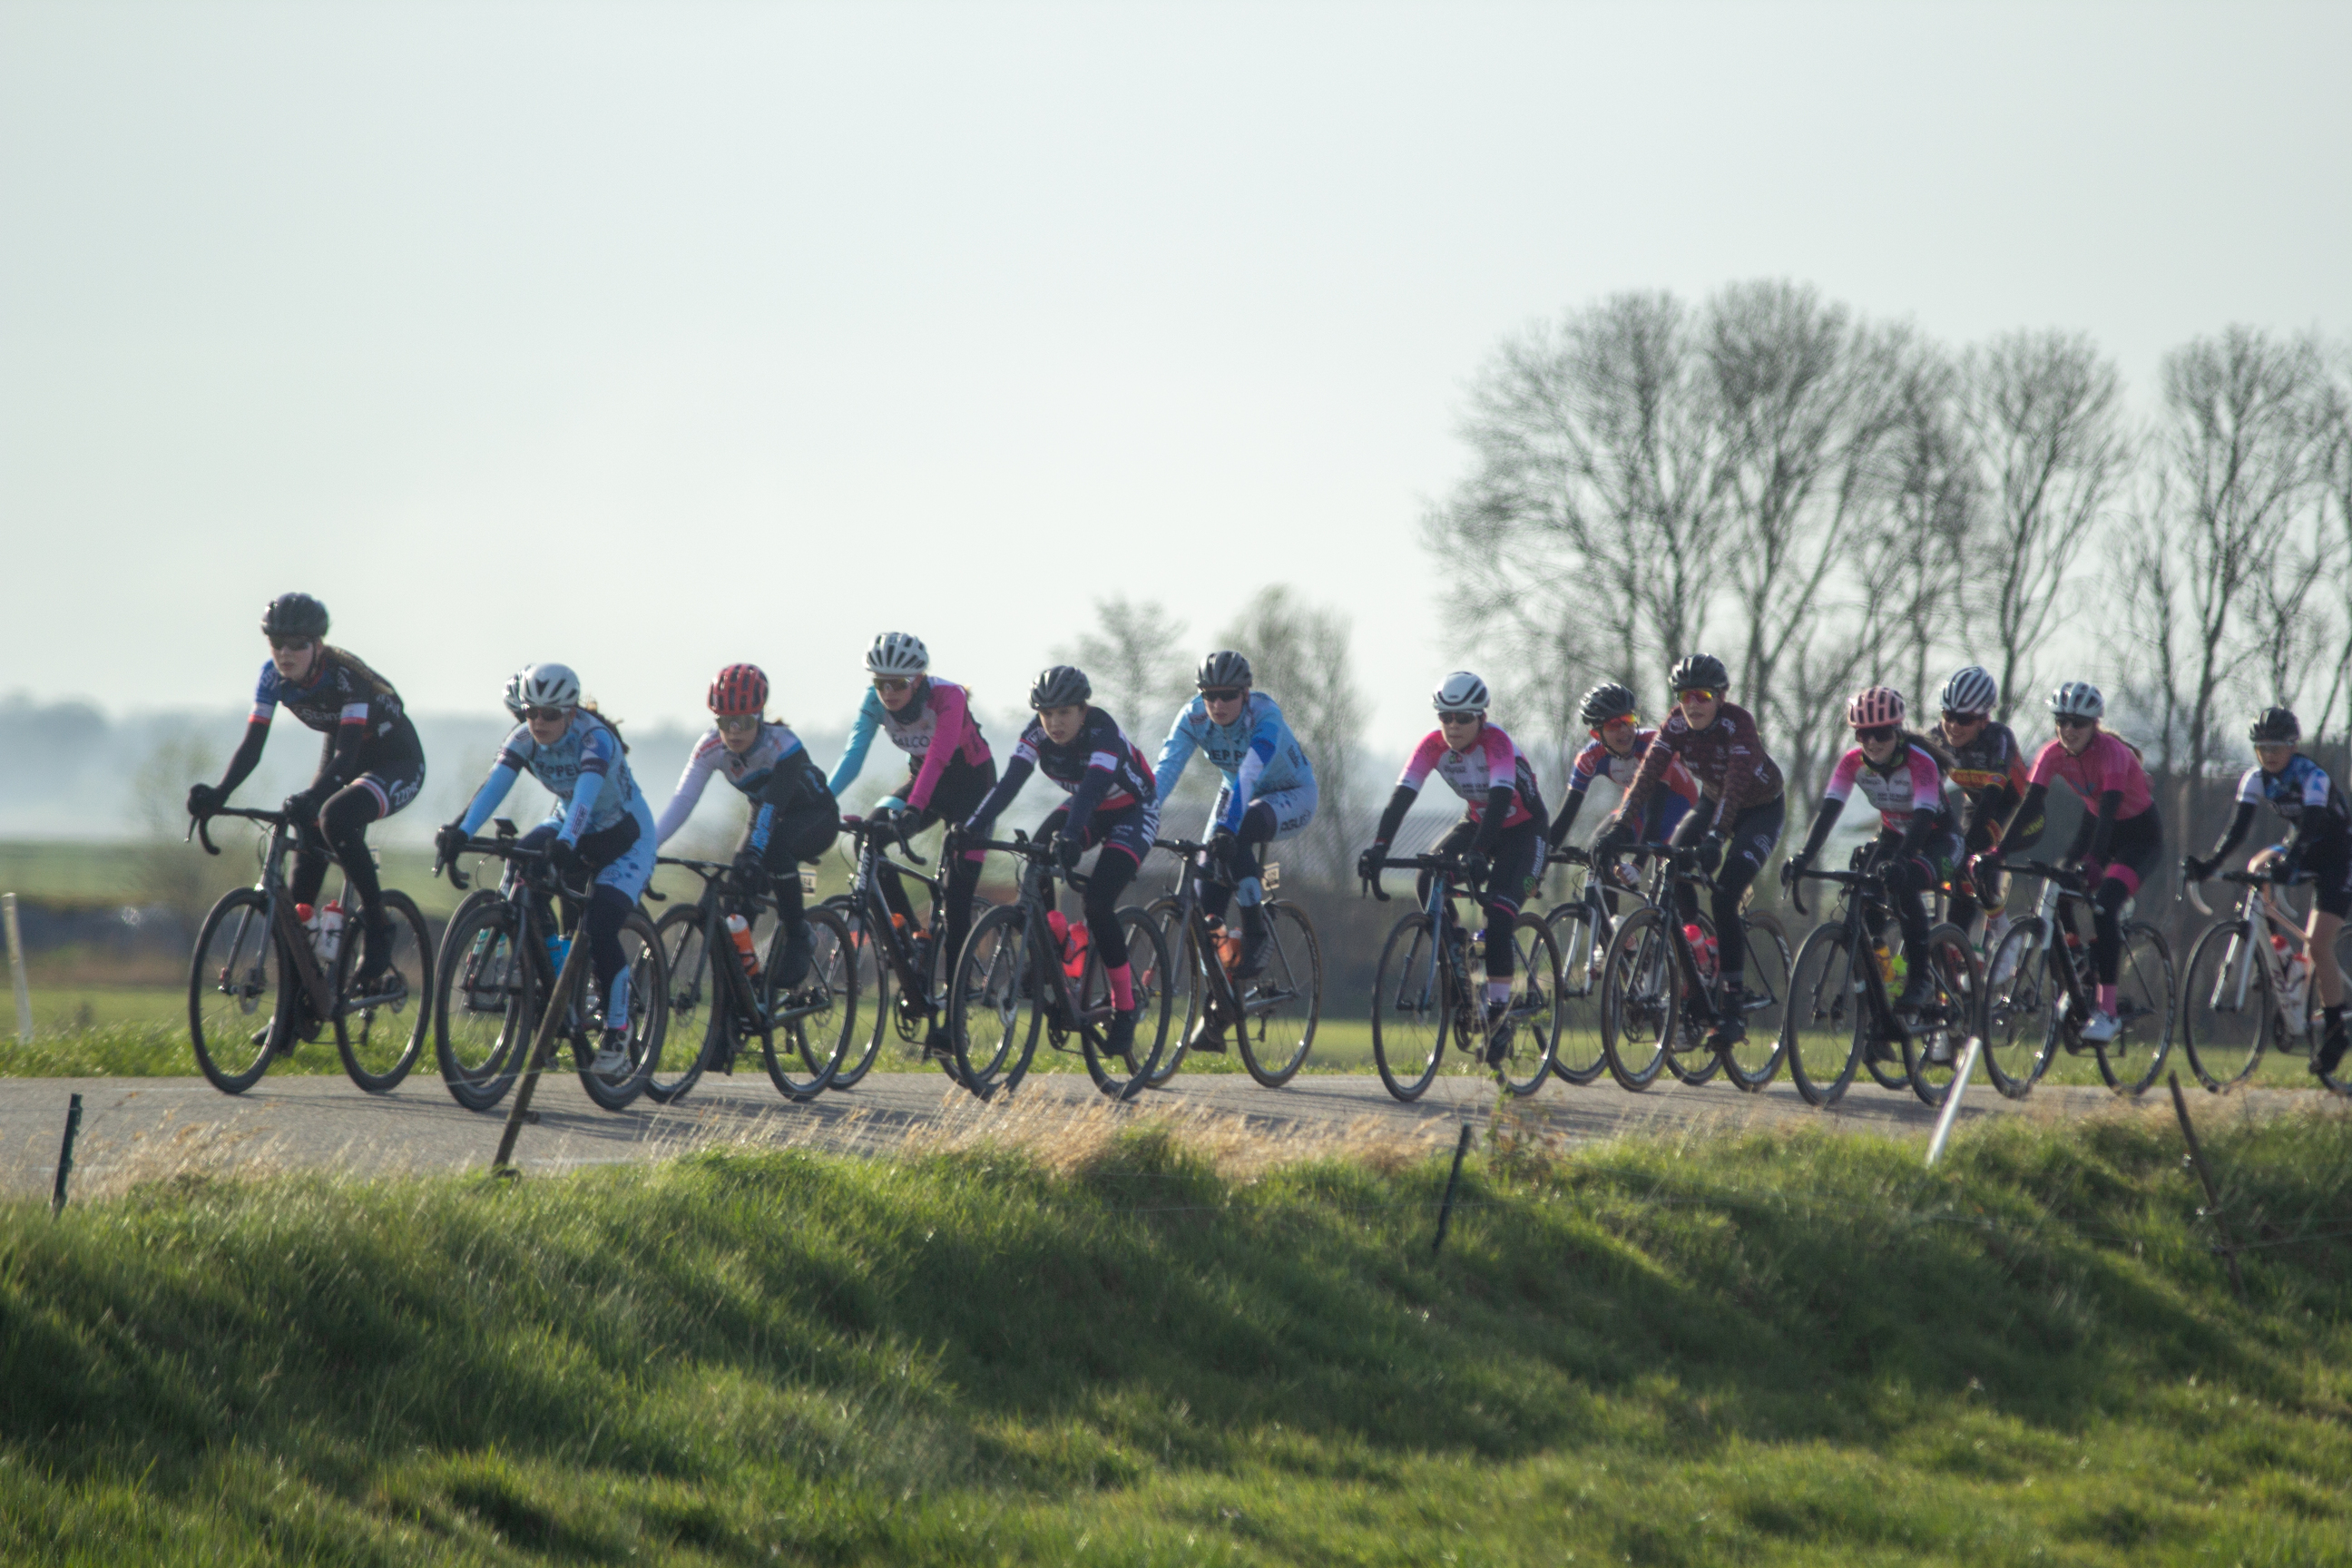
[650, 337]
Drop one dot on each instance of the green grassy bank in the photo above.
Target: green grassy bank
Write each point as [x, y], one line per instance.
[1785, 1349]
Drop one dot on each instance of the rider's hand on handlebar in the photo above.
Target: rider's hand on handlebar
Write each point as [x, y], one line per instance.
[1794, 867]
[301, 809]
[1066, 850]
[1710, 852]
[2195, 870]
[448, 842]
[881, 820]
[1222, 844]
[751, 871]
[1367, 864]
[203, 800]
[1474, 865]
[568, 863]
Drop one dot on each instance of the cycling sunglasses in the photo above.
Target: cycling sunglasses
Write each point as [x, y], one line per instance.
[1703, 694]
[292, 645]
[544, 715]
[891, 683]
[1950, 717]
[1876, 732]
[1454, 718]
[1222, 693]
[735, 722]
[2073, 722]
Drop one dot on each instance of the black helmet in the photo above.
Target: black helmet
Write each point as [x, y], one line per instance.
[1224, 668]
[1699, 669]
[2273, 727]
[1606, 701]
[294, 616]
[1059, 686]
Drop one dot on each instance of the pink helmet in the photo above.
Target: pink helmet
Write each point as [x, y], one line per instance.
[1874, 705]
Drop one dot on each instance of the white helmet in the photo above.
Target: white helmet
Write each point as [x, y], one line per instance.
[1971, 689]
[899, 653]
[2077, 699]
[542, 686]
[1460, 692]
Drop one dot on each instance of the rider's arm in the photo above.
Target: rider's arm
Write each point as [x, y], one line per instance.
[1408, 785]
[688, 793]
[1490, 820]
[1270, 734]
[596, 755]
[1501, 788]
[1834, 798]
[1926, 800]
[339, 764]
[1017, 769]
[1174, 752]
[1393, 816]
[494, 790]
[2239, 820]
[2030, 815]
[1580, 779]
[2102, 827]
[861, 737]
[248, 754]
[952, 718]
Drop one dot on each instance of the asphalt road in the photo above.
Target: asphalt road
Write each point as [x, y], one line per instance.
[136, 1130]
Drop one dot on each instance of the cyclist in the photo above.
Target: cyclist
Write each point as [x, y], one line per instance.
[1268, 793]
[370, 765]
[1112, 802]
[950, 771]
[1904, 782]
[2121, 836]
[1741, 815]
[2318, 840]
[1499, 840]
[1617, 748]
[793, 817]
[1989, 773]
[604, 831]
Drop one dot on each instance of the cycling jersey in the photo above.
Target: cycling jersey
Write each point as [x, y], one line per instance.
[1728, 759]
[1257, 753]
[2107, 764]
[587, 769]
[1099, 767]
[356, 709]
[775, 770]
[1597, 760]
[1492, 763]
[1987, 766]
[937, 728]
[2303, 793]
[1913, 785]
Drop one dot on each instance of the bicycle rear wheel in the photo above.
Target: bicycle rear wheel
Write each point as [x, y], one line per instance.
[1532, 1014]
[380, 1034]
[2227, 1007]
[1823, 1025]
[804, 1031]
[1185, 981]
[487, 1000]
[2016, 1008]
[2340, 1080]
[238, 992]
[648, 1016]
[1577, 1057]
[1931, 1052]
[2146, 1002]
[1282, 1005]
[1122, 1075]
[1412, 1008]
[992, 1008]
[1754, 1060]
[1640, 999]
[696, 996]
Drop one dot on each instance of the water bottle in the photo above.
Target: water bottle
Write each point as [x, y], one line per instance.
[1072, 936]
[325, 925]
[2296, 984]
[1703, 948]
[739, 931]
[559, 947]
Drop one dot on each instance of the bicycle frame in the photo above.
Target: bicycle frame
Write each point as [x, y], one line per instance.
[1444, 874]
[2260, 915]
[710, 909]
[1601, 925]
[287, 926]
[1036, 902]
[1230, 998]
[1675, 865]
[1865, 910]
[866, 899]
[523, 874]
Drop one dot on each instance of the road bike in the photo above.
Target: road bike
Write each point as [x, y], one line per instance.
[260, 982]
[1659, 999]
[1270, 1016]
[2238, 995]
[1841, 1016]
[2039, 987]
[1582, 929]
[1430, 989]
[721, 982]
[1017, 978]
[902, 970]
[500, 960]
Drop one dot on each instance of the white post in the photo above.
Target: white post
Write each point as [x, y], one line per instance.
[1968, 1053]
[16, 970]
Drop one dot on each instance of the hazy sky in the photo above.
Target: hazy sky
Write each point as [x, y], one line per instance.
[650, 337]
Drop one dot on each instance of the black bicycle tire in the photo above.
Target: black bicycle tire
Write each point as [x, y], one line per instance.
[1417, 923]
[1132, 919]
[2109, 1053]
[1549, 951]
[692, 919]
[1761, 931]
[1818, 1089]
[1944, 941]
[1587, 1001]
[2023, 967]
[1620, 1057]
[798, 1090]
[875, 981]
[1009, 1065]
[619, 1097]
[2263, 1005]
[1178, 934]
[1277, 912]
[483, 1090]
[280, 1005]
[398, 907]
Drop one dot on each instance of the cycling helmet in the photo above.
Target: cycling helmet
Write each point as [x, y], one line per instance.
[1606, 701]
[900, 654]
[1059, 686]
[1224, 668]
[294, 616]
[2275, 727]
[1460, 692]
[542, 686]
[2077, 699]
[1699, 669]
[740, 688]
[1971, 689]
[1873, 705]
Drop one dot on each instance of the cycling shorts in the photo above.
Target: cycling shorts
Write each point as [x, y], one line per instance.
[393, 786]
[2134, 848]
[1128, 830]
[1276, 814]
[2330, 866]
[622, 856]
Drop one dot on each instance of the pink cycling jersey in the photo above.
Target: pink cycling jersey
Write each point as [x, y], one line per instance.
[2106, 763]
[1916, 786]
[1493, 762]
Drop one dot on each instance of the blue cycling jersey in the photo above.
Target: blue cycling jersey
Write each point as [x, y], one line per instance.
[1257, 753]
[586, 769]
[2303, 793]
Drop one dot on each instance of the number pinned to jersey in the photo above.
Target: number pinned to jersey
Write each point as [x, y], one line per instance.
[808, 883]
[1272, 877]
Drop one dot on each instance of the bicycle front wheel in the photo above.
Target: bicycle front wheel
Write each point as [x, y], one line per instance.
[1931, 1052]
[1281, 1006]
[1413, 1006]
[805, 1028]
[646, 1022]
[1754, 1059]
[992, 1008]
[1640, 999]
[239, 991]
[1577, 1057]
[695, 997]
[1124, 1074]
[1522, 1045]
[1822, 1033]
[2227, 1007]
[2013, 1020]
[2145, 1009]
[487, 999]
[381, 1034]
[1184, 979]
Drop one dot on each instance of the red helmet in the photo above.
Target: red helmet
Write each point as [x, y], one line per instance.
[740, 688]
[1873, 705]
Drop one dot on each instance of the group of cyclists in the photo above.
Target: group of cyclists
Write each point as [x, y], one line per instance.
[1952, 798]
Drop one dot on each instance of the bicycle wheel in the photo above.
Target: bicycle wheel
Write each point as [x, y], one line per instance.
[1754, 1061]
[1532, 1015]
[2145, 1009]
[648, 1019]
[380, 1034]
[694, 991]
[1413, 1007]
[1282, 1005]
[2013, 1020]
[486, 1001]
[1125, 1074]
[1931, 1052]
[1184, 978]
[2227, 1009]
[992, 1011]
[2340, 1080]
[804, 1031]
[1687, 1056]
[238, 989]
[1577, 1057]
[874, 985]
[1640, 999]
[1822, 1030]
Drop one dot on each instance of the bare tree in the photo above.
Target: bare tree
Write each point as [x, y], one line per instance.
[1134, 659]
[1299, 656]
[2335, 503]
[2043, 413]
[169, 872]
[1914, 565]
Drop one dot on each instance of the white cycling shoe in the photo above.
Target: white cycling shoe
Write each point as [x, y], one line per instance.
[2100, 1027]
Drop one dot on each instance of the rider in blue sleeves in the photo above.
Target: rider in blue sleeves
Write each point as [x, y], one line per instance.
[1268, 792]
[604, 830]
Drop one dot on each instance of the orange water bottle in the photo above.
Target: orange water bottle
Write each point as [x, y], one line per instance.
[739, 930]
[1703, 947]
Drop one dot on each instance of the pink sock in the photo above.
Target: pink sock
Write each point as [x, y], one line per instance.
[2107, 1000]
[1122, 988]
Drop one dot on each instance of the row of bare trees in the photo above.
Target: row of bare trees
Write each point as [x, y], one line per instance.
[1827, 501]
